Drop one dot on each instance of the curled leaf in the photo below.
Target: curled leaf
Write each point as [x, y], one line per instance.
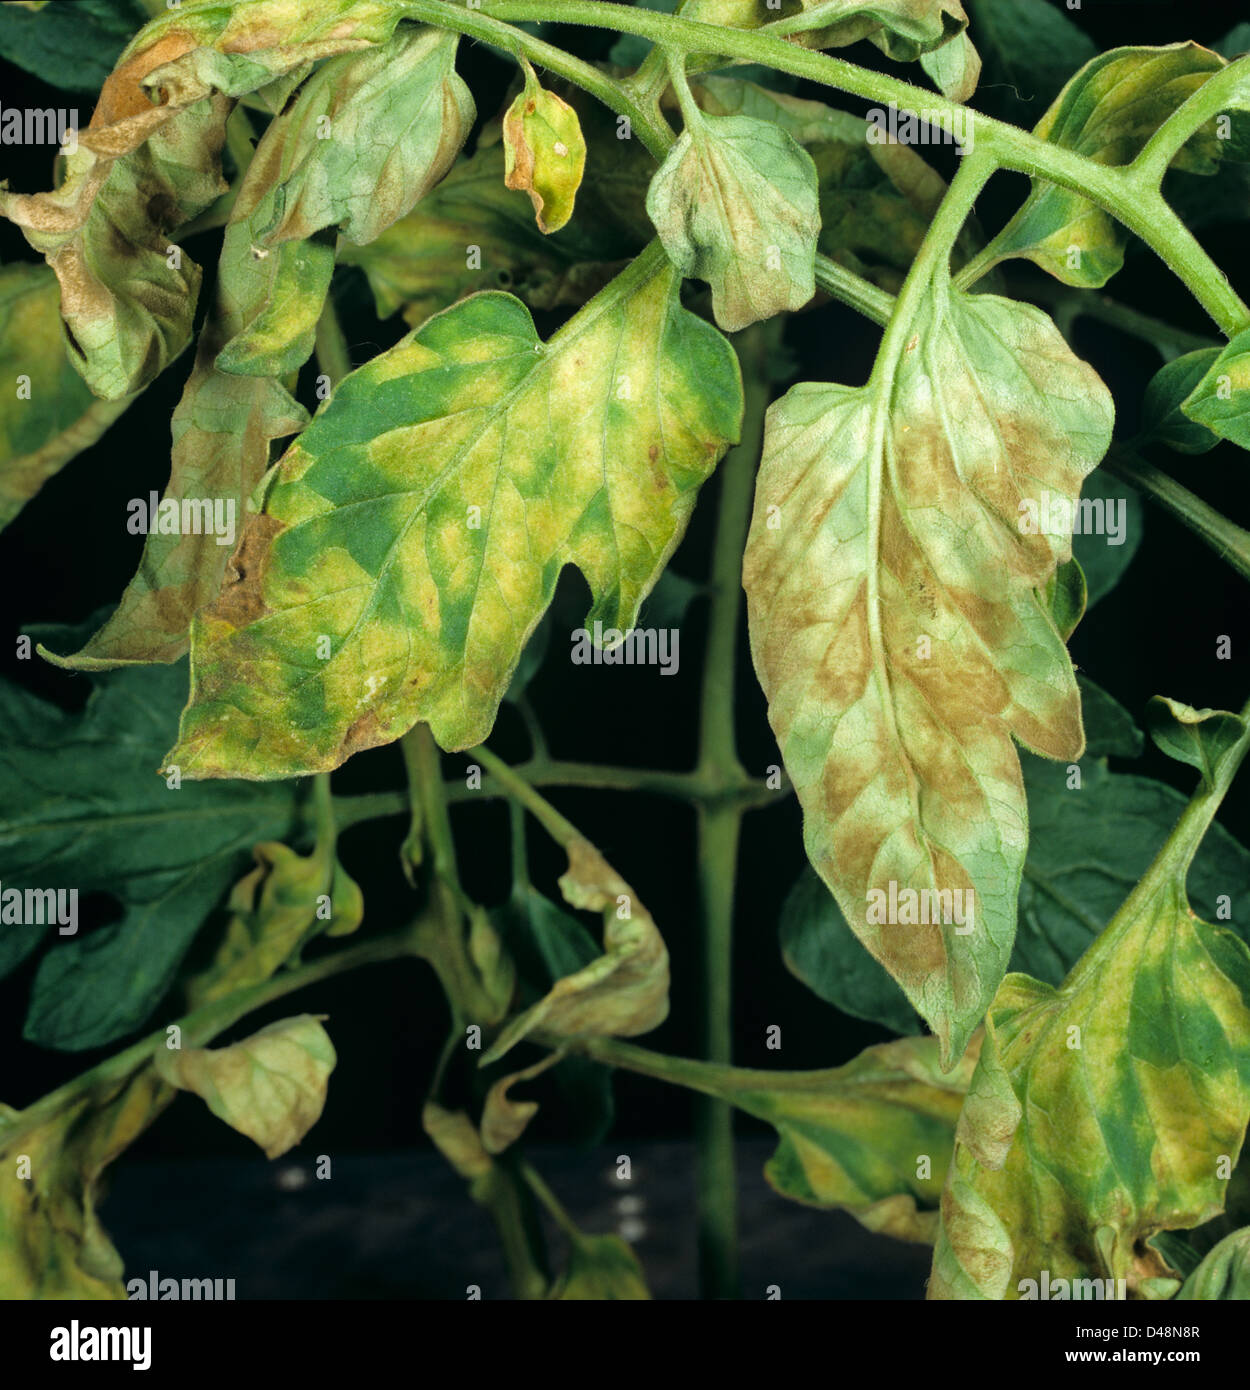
[1203, 738]
[544, 152]
[1224, 1273]
[1220, 400]
[271, 1086]
[623, 992]
[503, 1119]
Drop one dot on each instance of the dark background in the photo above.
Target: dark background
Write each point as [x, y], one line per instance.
[69, 553]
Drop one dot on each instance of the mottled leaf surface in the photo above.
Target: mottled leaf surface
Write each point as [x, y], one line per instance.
[852, 1136]
[621, 993]
[271, 1086]
[421, 521]
[897, 630]
[1106, 1104]
[736, 203]
[52, 1245]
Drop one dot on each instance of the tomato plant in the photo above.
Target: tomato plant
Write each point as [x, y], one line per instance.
[612, 282]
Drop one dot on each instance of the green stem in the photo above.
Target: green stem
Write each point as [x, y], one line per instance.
[1230, 542]
[1120, 190]
[720, 824]
[501, 1193]
[860, 294]
[1170, 341]
[203, 1024]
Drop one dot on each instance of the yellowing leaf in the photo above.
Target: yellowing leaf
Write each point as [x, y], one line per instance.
[271, 1086]
[898, 634]
[544, 152]
[1107, 112]
[1107, 1106]
[422, 519]
[52, 1245]
[1221, 399]
[600, 1268]
[736, 203]
[623, 992]
[44, 424]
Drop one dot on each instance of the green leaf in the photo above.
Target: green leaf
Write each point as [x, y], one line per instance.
[1203, 738]
[1164, 420]
[1106, 543]
[274, 274]
[52, 1245]
[422, 519]
[1225, 1272]
[50, 418]
[544, 152]
[955, 67]
[271, 1086]
[1235, 42]
[1112, 1103]
[600, 1267]
[1107, 112]
[1109, 728]
[621, 993]
[1221, 399]
[897, 630]
[168, 855]
[69, 46]
[1030, 49]
[821, 950]
[736, 203]
[1088, 846]
[857, 1136]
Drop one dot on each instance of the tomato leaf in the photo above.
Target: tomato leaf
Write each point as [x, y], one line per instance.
[420, 523]
[897, 631]
[736, 203]
[271, 1086]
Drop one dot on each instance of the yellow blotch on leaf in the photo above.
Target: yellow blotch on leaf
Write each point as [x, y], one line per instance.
[544, 152]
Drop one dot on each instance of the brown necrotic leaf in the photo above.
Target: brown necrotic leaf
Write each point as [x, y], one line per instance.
[899, 635]
[149, 163]
[545, 152]
[363, 139]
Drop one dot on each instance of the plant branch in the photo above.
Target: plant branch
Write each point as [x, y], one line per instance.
[1229, 541]
[851, 289]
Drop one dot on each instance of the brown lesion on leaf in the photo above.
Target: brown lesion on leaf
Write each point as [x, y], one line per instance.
[123, 93]
[241, 601]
